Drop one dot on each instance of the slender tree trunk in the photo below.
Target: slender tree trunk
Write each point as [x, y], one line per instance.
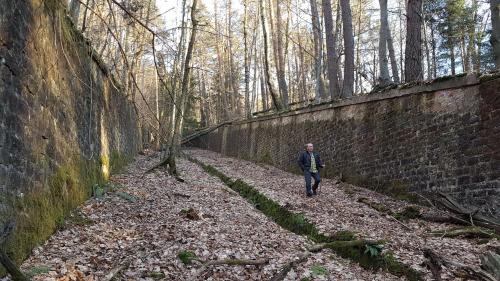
[433, 46]
[427, 52]
[272, 92]
[495, 34]
[347, 89]
[392, 56]
[74, 10]
[318, 51]
[333, 75]
[248, 112]
[413, 54]
[383, 78]
[452, 59]
[281, 62]
[176, 138]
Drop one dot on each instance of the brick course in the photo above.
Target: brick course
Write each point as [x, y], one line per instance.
[441, 136]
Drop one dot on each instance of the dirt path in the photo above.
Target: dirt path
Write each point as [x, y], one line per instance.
[337, 208]
[141, 228]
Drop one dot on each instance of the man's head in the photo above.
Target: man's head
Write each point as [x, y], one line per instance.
[309, 147]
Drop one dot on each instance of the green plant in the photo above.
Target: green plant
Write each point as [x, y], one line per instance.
[37, 270]
[127, 196]
[186, 257]
[373, 250]
[318, 269]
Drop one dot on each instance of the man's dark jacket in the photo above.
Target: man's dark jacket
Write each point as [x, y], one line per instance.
[305, 161]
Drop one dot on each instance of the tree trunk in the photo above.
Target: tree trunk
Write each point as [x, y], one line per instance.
[383, 78]
[452, 59]
[272, 92]
[318, 51]
[74, 10]
[281, 62]
[176, 137]
[248, 112]
[495, 34]
[333, 75]
[413, 54]
[392, 56]
[434, 58]
[347, 87]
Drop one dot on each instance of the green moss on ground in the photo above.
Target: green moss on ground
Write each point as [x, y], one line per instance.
[298, 224]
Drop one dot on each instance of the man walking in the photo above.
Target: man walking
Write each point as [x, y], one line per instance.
[310, 163]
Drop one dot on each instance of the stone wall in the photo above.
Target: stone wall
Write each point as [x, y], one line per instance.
[443, 135]
[64, 123]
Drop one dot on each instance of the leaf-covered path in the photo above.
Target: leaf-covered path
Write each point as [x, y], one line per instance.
[137, 230]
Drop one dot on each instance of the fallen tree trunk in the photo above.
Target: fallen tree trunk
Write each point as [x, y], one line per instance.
[473, 217]
[203, 132]
[435, 263]
[491, 263]
[467, 232]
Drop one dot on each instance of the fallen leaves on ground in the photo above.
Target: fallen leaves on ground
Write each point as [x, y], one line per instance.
[336, 208]
[139, 231]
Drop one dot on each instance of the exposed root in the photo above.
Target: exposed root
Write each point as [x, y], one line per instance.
[281, 275]
[466, 232]
[236, 262]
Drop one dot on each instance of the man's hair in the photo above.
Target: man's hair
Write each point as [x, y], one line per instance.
[305, 145]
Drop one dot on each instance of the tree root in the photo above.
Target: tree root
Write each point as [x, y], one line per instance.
[435, 263]
[163, 163]
[236, 262]
[466, 232]
[281, 275]
[9, 265]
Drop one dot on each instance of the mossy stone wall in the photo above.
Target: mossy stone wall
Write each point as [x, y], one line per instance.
[64, 122]
[439, 136]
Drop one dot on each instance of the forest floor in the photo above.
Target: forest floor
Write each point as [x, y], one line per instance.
[144, 224]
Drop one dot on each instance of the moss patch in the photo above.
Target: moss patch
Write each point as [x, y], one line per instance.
[40, 212]
[298, 224]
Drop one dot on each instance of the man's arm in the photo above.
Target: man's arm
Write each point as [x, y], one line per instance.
[301, 161]
[321, 164]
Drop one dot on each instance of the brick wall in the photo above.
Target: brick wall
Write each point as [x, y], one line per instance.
[64, 122]
[443, 135]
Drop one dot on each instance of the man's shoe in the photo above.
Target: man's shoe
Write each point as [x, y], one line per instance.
[315, 193]
[309, 195]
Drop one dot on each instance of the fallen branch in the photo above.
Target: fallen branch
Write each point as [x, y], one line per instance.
[342, 244]
[5, 260]
[472, 217]
[281, 275]
[491, 263]
[467, 232]
[462, 270]
[236, 262]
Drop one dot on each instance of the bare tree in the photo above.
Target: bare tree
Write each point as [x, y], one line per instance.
[246, 55]
[495, 36]
[318, 51]
[331, 44]
[272, 92]
[413, 54]
[383, 78]
[281, 61]
[347, 89]
[176, 137]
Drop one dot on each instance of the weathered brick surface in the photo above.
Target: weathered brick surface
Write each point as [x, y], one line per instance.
[56, 101]
[444, 136]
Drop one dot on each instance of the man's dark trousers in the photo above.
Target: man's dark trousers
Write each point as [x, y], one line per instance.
[317, 180]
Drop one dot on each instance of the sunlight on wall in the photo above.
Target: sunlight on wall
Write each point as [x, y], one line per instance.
[104, 150]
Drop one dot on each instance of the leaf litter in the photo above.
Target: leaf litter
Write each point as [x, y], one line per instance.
[336, 208]
[138, 232]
